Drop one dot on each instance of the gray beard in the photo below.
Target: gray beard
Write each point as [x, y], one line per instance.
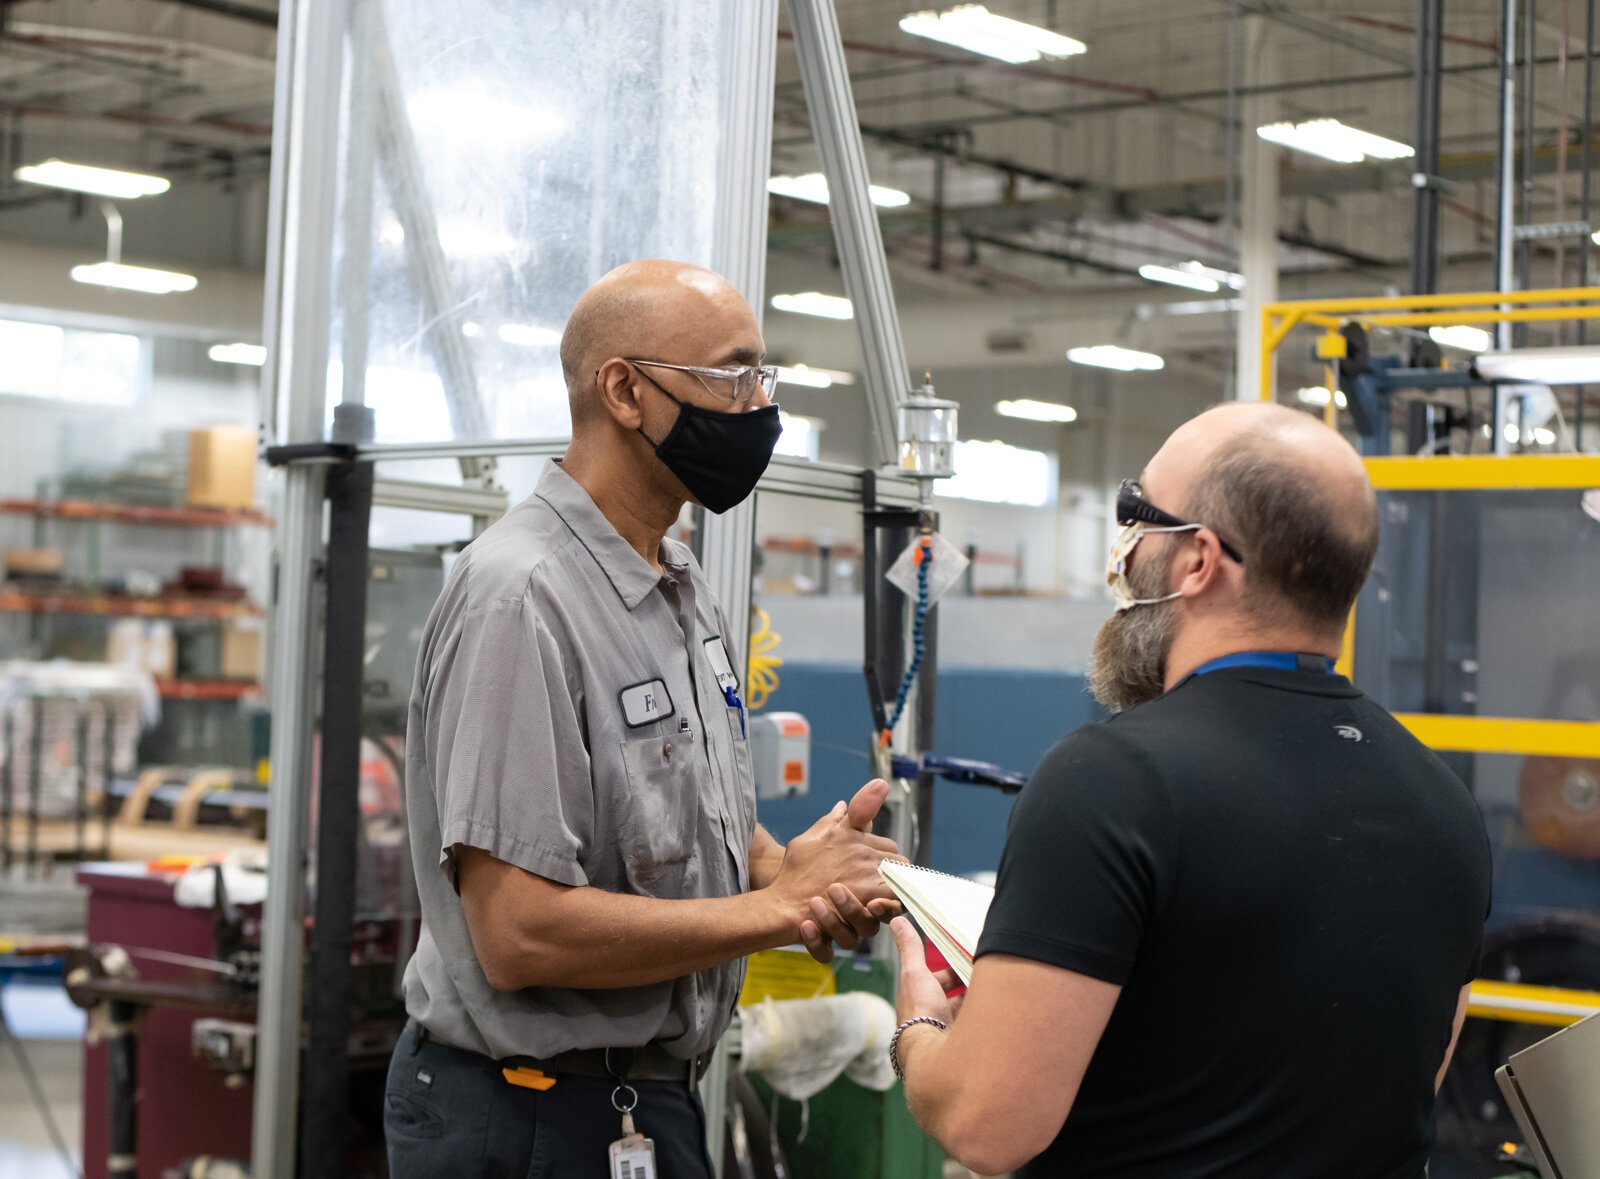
[1129, 662]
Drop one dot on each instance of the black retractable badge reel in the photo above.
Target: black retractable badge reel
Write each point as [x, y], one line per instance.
[633, 1156]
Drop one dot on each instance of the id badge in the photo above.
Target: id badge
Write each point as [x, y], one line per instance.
[633, 1156]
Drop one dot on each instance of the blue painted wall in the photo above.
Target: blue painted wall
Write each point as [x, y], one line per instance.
[1011, 718]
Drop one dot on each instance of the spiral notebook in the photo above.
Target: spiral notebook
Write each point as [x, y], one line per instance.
[950, 910]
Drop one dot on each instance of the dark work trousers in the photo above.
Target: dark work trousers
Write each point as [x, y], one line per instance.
[450, 1114]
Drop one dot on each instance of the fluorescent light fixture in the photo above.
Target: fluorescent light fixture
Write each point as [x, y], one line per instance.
[1226, 278]
[1538, 436]
[815, 303]
[528, 335]
[252, 354]
[1332, 140]
[813, 378]
[1317, 395]
[1573, 365]
[1125, 360]
[813, 186]
[1179, 278]
[134, 278]
[1468, 339]
[1036, 411]
[106, 182]
[974, 28]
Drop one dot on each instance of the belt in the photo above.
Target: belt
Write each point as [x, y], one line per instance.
[649, 1062]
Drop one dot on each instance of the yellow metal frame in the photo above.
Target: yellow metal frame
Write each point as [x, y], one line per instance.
[1489, 999]
[1478, 307]
[1520, 1003]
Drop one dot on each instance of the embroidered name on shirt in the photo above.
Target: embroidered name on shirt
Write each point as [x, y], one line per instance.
[646, 703]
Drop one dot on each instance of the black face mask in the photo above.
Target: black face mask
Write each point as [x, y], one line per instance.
[719, 457]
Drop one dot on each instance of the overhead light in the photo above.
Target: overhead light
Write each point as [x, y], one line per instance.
[813, 378]
[1179, 278]
[1317, 395]
[1126, 360]
[528, 335]
[134, 278]
[1538, 436]
[1332, 140]
[471, 330]
[252, 354]
[1036, 411]
[813, 186]
[1225, 278]
[1468, 339]
[1573, 365]
[815, 303]
[106, 182]
[974, 28]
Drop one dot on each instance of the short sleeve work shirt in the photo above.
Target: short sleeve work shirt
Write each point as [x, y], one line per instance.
[568, 718]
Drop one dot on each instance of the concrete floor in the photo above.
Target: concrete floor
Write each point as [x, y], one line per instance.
[50, 1032]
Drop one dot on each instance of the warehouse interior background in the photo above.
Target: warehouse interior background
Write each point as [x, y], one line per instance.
[1018, 204]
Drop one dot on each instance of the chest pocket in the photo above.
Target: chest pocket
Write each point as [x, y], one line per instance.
[658, 828]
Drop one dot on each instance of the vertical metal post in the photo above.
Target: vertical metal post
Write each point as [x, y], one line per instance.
[8, 726]
[109, 736]
[1504, 239]
[1581, 393]
[299, 261]
[1424, 176]
[1258, 207]
[80, 807]
[1525, 179]
[826, 79]
[727, 541]
[122, 1091]
[35, 781]
[323, 1144]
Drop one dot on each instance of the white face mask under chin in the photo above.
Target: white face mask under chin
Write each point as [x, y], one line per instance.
[1117, 567]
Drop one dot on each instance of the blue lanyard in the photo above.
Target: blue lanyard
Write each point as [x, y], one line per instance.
[1285, 660]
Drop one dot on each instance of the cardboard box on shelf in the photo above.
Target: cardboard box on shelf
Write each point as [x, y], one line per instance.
[222, 467]
[241, 653]
[34, 564]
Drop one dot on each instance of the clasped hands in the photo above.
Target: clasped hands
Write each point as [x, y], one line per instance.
[829, 877]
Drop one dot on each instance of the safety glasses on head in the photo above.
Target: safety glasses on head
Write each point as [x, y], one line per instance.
[737, 383]
[1133, 508]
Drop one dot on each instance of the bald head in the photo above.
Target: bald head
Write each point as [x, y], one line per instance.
[1289, 492]
[654, 309]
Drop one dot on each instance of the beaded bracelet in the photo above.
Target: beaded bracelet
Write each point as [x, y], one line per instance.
[894, 1040]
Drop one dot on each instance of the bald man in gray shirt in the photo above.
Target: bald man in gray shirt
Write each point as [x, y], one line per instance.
[578, 781]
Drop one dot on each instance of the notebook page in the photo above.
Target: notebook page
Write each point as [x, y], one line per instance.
[950, 910]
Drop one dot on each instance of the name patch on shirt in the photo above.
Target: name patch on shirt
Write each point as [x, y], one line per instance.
[721, 665]
[646, 703]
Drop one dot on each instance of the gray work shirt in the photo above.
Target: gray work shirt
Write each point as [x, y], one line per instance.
[567, 718]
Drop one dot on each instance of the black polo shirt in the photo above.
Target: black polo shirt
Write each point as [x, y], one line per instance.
[1289, 888]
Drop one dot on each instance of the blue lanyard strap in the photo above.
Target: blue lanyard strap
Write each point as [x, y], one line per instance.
[1285, 660]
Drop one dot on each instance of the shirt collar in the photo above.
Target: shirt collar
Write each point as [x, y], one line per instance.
[630, 574]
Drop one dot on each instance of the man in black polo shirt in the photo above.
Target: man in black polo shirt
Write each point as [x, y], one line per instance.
[1233, 925]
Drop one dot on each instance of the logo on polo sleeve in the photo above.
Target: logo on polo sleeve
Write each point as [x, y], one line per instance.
[646, 703]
